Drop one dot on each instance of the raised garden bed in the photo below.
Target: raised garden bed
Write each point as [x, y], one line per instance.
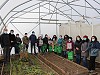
[62, 65]
[30, 66]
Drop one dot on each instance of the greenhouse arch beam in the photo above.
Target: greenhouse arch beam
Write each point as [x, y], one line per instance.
[25, 12]
[15, 8]
[17, 29]
[76, 5]
[62, 13]
[93, 7]
[96, 2]
[3, 4]
[77, 12]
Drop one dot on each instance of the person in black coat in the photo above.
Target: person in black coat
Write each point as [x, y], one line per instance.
[45, 42]
[18, 42]
[12, 39]
[5, 44]
[77, 45]
[33, 41]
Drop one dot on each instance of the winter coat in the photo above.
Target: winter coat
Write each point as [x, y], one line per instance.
[12, 38]
[45, 40]
[78, 45]
[59, 42]
[70, 45]
[25, 40]
[64, 44]
[39, 42]
[54, 40]
[33, 39]
[18, 40]
[84, 47]
[94, 48]
[5, 41]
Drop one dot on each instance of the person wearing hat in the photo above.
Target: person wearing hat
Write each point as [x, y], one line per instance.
[33, 41]
[84, 53]
[5, 44]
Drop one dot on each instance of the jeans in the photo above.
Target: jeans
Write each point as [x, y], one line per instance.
[32, 48]
[39, 49]
[84, 62]
[78, 58]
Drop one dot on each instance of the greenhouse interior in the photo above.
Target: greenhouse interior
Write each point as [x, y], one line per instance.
[49, 37]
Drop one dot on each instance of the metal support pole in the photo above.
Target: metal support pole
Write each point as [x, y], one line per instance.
[71, 12]
[69, 28]
[92, 27]
[80, 28]
[49, 6]
[39, 20]
[56, 24]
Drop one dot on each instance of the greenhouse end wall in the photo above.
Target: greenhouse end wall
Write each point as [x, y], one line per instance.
[80, 29]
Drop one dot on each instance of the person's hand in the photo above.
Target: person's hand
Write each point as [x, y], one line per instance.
[35, 44]
[12, 41]
[83, 51]
[77, 48]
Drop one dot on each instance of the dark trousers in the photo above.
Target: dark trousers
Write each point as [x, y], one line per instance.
[6, 54]
[17, 49]
[78, 58]
[47, 47]
[39, 48]
[25, 47]
[33, 45]
[64, 54]
[92, 63]
[84, 61]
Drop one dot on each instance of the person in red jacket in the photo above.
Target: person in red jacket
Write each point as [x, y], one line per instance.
[70, 48]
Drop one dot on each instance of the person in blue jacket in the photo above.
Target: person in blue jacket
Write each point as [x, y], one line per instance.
[93, 48]
[33, 41]
[59, 42]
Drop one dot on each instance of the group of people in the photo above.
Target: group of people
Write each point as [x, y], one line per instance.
[81, 47]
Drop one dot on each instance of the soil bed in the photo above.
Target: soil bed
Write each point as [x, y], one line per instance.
[62, 65]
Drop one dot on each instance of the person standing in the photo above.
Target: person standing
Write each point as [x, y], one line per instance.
[64, 52]
[84, 53]
[5, 44]
[33, 41]
[39, 43]
[25, 41]
[45, 42]
[77, 47]
[12, 40]
[70, 48]
[18, 42]
[93, 48]
[59, 42]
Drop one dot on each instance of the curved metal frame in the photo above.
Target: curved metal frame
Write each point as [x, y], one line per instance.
[53, 12]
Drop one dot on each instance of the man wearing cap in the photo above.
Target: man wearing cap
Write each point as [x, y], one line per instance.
[33, 41]
[5, 44]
